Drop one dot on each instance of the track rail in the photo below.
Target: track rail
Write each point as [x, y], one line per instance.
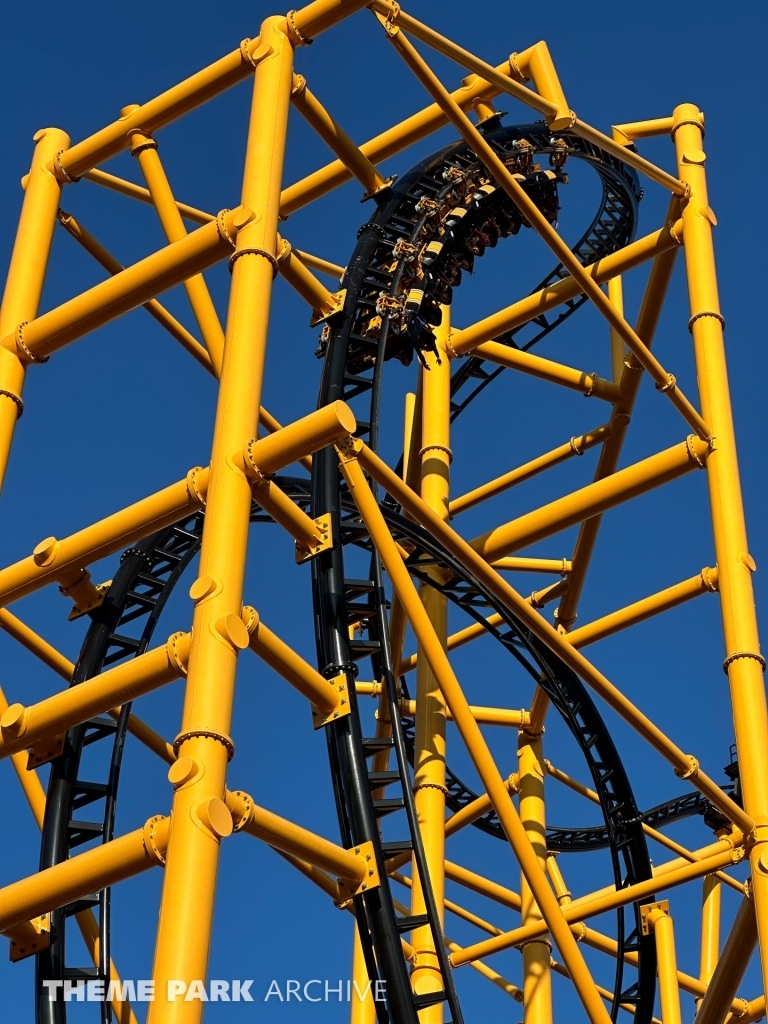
[121, 628]
[440, 217]
[378, 323]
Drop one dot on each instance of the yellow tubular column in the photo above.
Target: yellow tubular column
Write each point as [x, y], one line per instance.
[30, 782]
[429, 763]
[616, 295]
[127, 188]
[537, 977]
[704, 583]
[526, 309]
[34, 643]
[21, 727]
[710, 930]
[731, 966]
[144, 149]
[318, 263]
[291, 838]
[270, 424]
[488, 716]
[25, 277]
[576, 446]
[589, 384]
[656, 918]
[322, 302]
[473, 738]
[626, 133]
[292, 667]
[200, 818]
[53, 559]
[132, 287]
[743, 663]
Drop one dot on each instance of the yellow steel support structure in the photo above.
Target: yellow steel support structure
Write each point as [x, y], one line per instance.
[429, 759]
[26, 274]
[685, 765]
[656, 919]
[710, 930]
[472, 737]
[363, 1008]
[743, 662]
[731, 965]
[240, 476]
[218, 631]
[144, 148]
[537, 977]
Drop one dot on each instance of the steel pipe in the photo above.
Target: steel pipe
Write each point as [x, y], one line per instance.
[335, 137]
[144, 149]
[576, 446]
[666, 239]
[731, 967]
[659, 920]
[684, 765]
[591, 907]
[292, 667]
[290, 838]
[593, 499]
[86, 873]
[588, 384]
[22, 727]
[26, 273]
[130, 288]
[153, 307]
[40, 648]
[705, 583]
[472, 736]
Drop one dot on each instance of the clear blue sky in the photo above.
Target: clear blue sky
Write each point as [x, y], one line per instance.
[125, 411]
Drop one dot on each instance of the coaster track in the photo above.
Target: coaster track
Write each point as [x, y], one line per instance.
[448, 199]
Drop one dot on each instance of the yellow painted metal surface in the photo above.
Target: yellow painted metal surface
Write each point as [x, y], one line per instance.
[203, 810]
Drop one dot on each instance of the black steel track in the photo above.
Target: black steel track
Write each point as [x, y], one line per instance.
[121, 629]
[355, 344]
[623, 822]
[440, 217]
[141, 587]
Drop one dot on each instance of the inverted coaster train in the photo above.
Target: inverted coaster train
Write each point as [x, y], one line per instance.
[392, 525]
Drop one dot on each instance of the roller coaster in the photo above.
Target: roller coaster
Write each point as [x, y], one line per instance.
[388, 566]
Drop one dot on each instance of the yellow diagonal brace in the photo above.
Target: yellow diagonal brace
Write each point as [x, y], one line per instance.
[470, 733]
[684, 765]
[667, 239]
[665, 381]
[153, 307]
